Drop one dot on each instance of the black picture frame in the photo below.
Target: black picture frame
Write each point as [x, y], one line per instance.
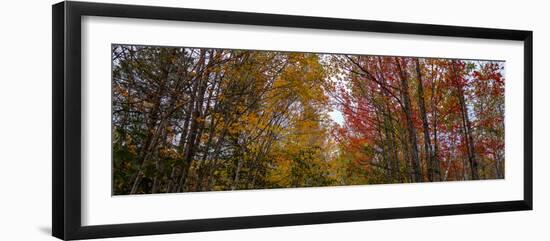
[67, 136]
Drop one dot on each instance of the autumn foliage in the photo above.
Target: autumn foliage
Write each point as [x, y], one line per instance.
[190, 119]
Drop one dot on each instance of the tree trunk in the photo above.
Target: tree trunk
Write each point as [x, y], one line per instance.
[466, 126]
[433, 174]
[410, 127]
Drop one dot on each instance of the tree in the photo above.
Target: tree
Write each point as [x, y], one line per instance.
[197, 119]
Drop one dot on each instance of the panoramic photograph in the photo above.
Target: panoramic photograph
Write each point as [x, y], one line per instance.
[187, 119]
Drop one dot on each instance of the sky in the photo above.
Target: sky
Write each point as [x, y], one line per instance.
[336, 116]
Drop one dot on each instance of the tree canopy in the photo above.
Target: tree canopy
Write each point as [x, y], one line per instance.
[192, 119]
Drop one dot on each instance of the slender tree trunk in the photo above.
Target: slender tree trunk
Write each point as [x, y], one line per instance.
[178, 171]
[410, 127]
[466, 126]
[433, 174]
[195, 132]
[154, 132]
[433, 105]
[392, 145]
[435, 156]
[383, 145]
[389, 127]
[236, 178]
[471, 156]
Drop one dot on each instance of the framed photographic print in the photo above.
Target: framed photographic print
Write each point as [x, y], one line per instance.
[169, 120]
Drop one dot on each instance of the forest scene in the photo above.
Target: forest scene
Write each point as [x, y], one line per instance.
[203, 119]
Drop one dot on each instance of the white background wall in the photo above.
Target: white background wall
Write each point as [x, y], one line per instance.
[25, 119]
